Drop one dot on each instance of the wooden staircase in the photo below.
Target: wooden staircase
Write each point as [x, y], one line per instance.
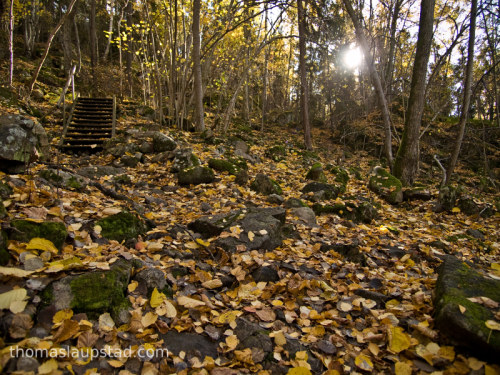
[91, 122]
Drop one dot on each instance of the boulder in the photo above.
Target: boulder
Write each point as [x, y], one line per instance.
[21, 140]
[221, 165]
[152, 278]
[183, 159]
[265, 185]
[275, 199]
[92, 293]
[241, 147]
[25, 230]
[99, 171]
[363, 212]
[196, 175]
[321, 190]
[447, 198]
[456, 283]
[210, 226]
[123, 226]
[468, 206]
[276, 153]
[162, 142]
[5, 190]
[316, 173]
[294, 203]
[192, 344]
[266, 274]
[63, 179]
[386, 186]
[304, 214]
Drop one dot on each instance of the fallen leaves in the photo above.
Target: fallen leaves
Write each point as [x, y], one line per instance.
[15, 300]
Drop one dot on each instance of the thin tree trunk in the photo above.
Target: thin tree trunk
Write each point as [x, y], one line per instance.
[198, 87]
[264, 79]
[407, 159]
[67, 44]
[93, 42]
[49, 42]
[386, 116]
[129, 54]
[110, 30]
[392, 48]
[467, 92]
[78, 49]
[304, 93]
[11, 42]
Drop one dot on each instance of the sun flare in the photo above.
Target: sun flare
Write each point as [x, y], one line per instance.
[353, 57]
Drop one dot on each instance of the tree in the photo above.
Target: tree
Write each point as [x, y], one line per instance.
[11, 41]
[407, 158]
[467, 93]
[198, 84]
[304, 90]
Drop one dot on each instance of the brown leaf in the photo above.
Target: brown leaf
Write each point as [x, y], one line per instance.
[67, 330]
[266, 315]
[87, 339]
[20, 326]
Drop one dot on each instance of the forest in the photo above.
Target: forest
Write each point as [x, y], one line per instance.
[249, 187]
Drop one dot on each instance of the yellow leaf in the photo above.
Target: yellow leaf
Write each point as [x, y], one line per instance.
[48, 367]
[299, 371]
[115, 363]
[232, 342]
[132, 286]
[363, 362]
[42, 244]
[171, 311]
[227, 317]
[251, 236]
[17, 306]
[149, 319]
[64, 264]
[244, 355]
[462, 308]
[489, 370]
[398, 340]
[97, 229]
[279, 338]
[455, 210]
[189, 302]
[403, 368]
[202, 243]
[62, 315]
[212, 284]
[491, 324]
[16, 272]
[7, 298]
[157, 298]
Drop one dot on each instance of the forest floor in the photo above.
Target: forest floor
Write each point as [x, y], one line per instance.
[312, 304]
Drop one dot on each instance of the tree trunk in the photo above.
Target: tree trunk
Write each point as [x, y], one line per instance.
[392, 48]
[110, 30]
[304, 93]
[198, 87]
[129, 54]
[264, 79]
[67, 44]
[93, 42]
[386, 116]
[11, 42]
[407, 158]
[467, 92]
[78, 49]
[49, 42]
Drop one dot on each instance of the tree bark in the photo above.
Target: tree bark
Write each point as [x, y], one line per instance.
[386, 116]
[49, 42]
[198, 87]
[467, 92]
[407, 159]
[11, 42]
[304, 92]
[110, 30]
[93, 41]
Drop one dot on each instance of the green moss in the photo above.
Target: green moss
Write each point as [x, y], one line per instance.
[122, 226]
[316, 173]
[4, 253]
[74, 183]
[386, 185]
[51, 176]
[341, 175]
[123, 179]
[3, 210]
[276, 153]
[196, 175]
[52, 231]
[223, 166]
[5, 190]
[194, 160]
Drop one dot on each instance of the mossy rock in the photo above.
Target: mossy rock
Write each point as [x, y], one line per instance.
[123, 179]
[63, 179]
[326, 191]
[363, 212]
[316, 173]
[341, 175]
[265, 185]
[294, 203]
[455, 284]
[25, 230]
[5, 190]
[4, 253]
[196, 175]
[386, 185]
[447, 197]
[468, 206]
[221, 165]
[93, 293]
[123, 226]
[276, 153]
[3, 210]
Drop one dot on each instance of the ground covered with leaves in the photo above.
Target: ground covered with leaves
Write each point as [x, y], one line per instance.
[337, 296]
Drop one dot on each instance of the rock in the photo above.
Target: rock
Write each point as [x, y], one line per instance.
[276, 153]
[205, 207]
[3, 210]
[363, 212]
[162, 143]
[326, 191]
[265, 185]
[304, 214]
[241, 146]
[294, 203]
[416, 194]
[293, 346]
[386, 186]
[5, 190]
[123, 226]
[21, 141]
[209, 226]
[326, 347]
[380, 298]
[341, 176]
[196, 175]
[447, 198]
[130, 160]
[183, 159]
[468, 206]
[241, 177]
[221, 165]
[275, 199]
[25, 230]
[152, 278]
[33, 263]
[455, 284]
[146, 147]
[121, 149]
[63, 179]
[92, 293]
[316, 173]
[475, 233]
[27, 364]
[99, 171]
[266, 274]
[4, 253]
[349, 251]
[194, 345]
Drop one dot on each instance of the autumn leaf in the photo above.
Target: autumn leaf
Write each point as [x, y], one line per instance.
[403, 368]
[363, 362]
[157, 298]
[67, 330]
[62, 315]
[16, 272]
[398, 339]
[149, 319]
[299, 371]
[12, 296]
[48, 367]
[189, 303]
[42, 244]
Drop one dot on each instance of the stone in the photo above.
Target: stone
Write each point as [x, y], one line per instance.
[476, 234]
[22, 140]
[122, 226]
[92, 293]
[416, 194]
[241, 146]
[265, 185]
[25, 230]
[221, 165]
[152, 278]
[241, 177]
[364, 212]
[183, 158]
[304, 214]
[63, 179]
[447, 198]
[162, 142]
[146, 147]
[294, 203]
[386, 186]
[341, 175]
[98, 171]
[194, 345]
[4, 253]
[379, 298]
[209, 226]
[349, 251]
[276, 153]
[455, 284]
[27, 364]
[275, 199]
[3, 210]
[266, 274]
[195, 176]
[5, 190]
[468, 206]
[316, 173]
[33, 263]
[129, 161]
[328, 191]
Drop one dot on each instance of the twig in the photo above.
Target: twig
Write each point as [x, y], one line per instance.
[442, 169]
